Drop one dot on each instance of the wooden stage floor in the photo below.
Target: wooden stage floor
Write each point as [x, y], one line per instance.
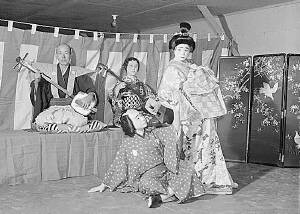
[262, 189]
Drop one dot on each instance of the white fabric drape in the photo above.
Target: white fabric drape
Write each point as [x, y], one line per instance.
[15, 105]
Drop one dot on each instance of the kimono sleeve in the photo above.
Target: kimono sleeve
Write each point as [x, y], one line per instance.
[171, 83]
[41, 97]
[85, 84]
[167, 136]
[118, 171]
[149, 92]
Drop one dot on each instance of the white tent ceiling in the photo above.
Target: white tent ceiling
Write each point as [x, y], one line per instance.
[133, 15]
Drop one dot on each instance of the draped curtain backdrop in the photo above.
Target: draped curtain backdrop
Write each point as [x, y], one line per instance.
[15, 105]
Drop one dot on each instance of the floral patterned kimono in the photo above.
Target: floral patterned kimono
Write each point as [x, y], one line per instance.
[149, 164]
[126, 98]
[193, 93]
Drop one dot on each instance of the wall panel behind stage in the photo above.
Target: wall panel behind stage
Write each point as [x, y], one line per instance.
[234, 77]
[267, 104]
[291, 149]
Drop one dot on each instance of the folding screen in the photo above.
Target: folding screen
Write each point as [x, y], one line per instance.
[234, 75]
[263, 120]
[291, 148]
[266, 109]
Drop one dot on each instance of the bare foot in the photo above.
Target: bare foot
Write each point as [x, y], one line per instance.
[99, 188]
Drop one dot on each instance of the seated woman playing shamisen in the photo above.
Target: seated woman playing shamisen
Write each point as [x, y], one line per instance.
[148, 162]
[131, 93]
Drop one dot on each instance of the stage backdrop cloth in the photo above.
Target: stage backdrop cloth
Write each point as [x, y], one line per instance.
[15, 104]
[29, 157]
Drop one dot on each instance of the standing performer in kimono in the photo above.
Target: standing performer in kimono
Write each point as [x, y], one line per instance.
[131, 93]
[147, 162]
[51, 105]
[193, 93]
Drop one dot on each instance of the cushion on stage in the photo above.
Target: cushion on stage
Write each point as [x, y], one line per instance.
[91, 126]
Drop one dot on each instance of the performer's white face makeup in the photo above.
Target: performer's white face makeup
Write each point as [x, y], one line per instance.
[138, 120]
[181, 52]
[63, 54]
[132, 68]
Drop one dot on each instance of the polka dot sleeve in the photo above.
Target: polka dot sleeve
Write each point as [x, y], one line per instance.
[169, 139]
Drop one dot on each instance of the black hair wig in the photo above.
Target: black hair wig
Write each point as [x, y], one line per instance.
[125, 64]
[127, 126]
[184, 39]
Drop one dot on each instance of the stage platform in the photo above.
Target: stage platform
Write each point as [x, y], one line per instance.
[30, 157]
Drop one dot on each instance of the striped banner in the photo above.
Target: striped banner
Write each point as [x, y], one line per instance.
[15, 105]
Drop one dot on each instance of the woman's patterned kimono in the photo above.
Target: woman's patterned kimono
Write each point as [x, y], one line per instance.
[127, 98]
[193, 93]
[149, 165]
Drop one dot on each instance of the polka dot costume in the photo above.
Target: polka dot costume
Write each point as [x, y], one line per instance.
[150, 164]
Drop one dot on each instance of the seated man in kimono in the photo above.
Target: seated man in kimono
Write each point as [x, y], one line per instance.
[51, 105]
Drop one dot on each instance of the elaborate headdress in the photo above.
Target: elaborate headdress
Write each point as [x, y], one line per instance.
[184, 26]
[182, 37]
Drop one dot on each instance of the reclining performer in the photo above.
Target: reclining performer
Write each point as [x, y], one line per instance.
[51, 105]
[147, 162]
